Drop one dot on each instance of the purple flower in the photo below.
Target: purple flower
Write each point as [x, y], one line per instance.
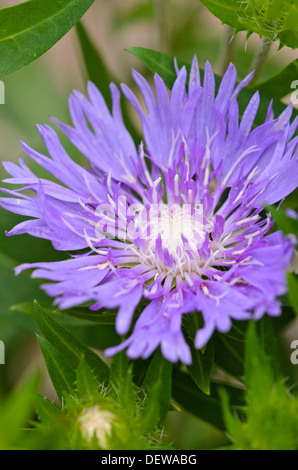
[177, 221]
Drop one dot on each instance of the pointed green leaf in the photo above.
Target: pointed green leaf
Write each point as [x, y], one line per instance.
[232, 425]
[202, 360]
[68, 345]
[270, 406]
[228, 11]
[202, 365]
[87, 386]
[157, 386]
[259, 376]
[229, 350]
[267, 339]
[159, 63]
[273, 19]
[29, 29]
[62, 375]
[46, 411]
[121, 379]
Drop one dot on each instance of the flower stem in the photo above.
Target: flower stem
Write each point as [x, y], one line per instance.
[227, 49]
[259, 60]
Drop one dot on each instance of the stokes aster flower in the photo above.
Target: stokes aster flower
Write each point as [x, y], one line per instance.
[177, 221]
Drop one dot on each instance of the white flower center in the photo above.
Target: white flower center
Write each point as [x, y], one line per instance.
[172, 237]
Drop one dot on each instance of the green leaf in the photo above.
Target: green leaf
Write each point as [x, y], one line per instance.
[206, 407]
[85, 314]
[293, 291]
[273, 19]
[267, 339]
[232, 425]
[228, 11]
[31, 28]
[159, 63]
[121, 379]
[68, 345]
[229, 350]
[95, 66]
[157, 386]
[270, 407]
[289, 38]
[46, 411]
[62, 375]
[163, 64]
[202, 365]
[202, 360]
[279, 85]
[87, 386]
[286, 224]
[259, 376]
[16, 411]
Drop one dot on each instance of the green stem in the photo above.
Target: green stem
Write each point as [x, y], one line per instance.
[260, 59]
[227, 49]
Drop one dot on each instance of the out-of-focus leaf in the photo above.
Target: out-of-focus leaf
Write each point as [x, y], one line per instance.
[279, 85]
[289, 38]
[31, 28]
[16, 411]
[284, 222]
[270, 407]
[68, 345]
[206, 407]
[258, 373]
[163, 64]
[293, 291]
[62, 375]
[95, 66]
[46, 411]
[139, 12]
[157, 386]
